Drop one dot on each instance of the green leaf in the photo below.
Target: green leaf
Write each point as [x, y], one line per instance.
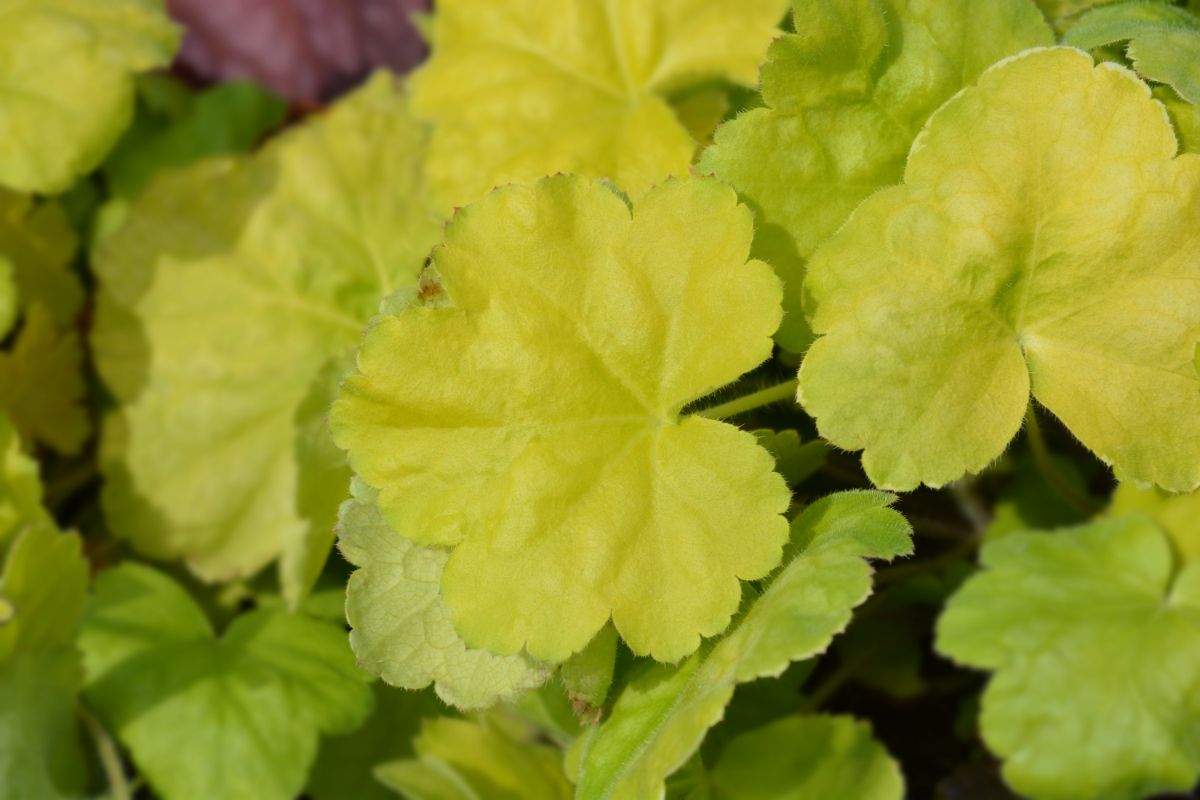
[1184, 115]
[38, 240]
[515, 93]
[8, 296]
[1094, 638]
[42, 387]
[224, 304]
[1177, 514]
[798, 758]
[1164, 40]
[40, 755]
[940, 316]
[532, 424]
[202, 716]
[401, 627]
[846, 96]
[493, 758]
[588, 674]
[663, 713]
[42, 593]
[795, 460]
[344, 769]
[67, 93]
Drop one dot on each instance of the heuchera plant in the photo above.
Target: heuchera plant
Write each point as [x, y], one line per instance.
[688, 399]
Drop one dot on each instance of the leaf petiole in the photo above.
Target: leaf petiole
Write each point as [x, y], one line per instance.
[1045, 464]
[749, 402]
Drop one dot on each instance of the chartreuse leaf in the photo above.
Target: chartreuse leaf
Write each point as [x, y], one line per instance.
[42, 592]
[66, 82]
[206, 716]
[41, 381]
[1094, 637]
[531, 423]
[226, 304]
[1184, 115]
[795, 460]
[1164, 40]
[798, 758]
[494, 758]
[1177, 514]
[401, 628]
[663, 713]
[515, 93]
[940, 317]
[846, 95]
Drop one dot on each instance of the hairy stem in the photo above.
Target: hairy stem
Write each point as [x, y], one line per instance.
[749, 402]
[110, 759]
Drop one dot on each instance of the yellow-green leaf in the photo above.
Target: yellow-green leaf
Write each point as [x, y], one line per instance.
[66, 82]
[846, 95]
[1043, 242]
[224, 307]
[41, 383]
[516, 93]
[531, 422]
[1178, 514]
[401, 627]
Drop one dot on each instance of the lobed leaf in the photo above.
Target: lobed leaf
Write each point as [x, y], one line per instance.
[227, 305]
[662, 715]
[202, 716]
[67, 93]
[1094, 638]
[531, 422]
[846, 96]
[401, 628]
[515, 93]
[1008, 264]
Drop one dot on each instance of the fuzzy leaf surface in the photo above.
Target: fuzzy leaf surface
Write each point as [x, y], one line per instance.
[663, 713]
[67, 89]
[1094, 638]
[225, 304]
[845, 97]
[246, 708]
[1007, 265]
[515, 93]
[401, 628]
[531, 422]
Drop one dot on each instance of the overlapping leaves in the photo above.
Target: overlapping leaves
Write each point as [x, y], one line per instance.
[1008, 265]
[845, 97]
[67, 88]
[531, 422]
[515, 93]
[228, 304]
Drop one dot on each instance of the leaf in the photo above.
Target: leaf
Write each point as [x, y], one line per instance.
[68, 88]
[940, 316]
[401, 627]
[37, 238]
[345, 764]
[846, 96]
[1184, 115]
[224, 303]
[41, 383]
[795, 460]
[807, 757]
[1164, 40]
[42, 594]
[588, 675]
[463, 760]
[663, 712]
[1095, 644]
[202, 716]
[515, 93]
[304, 51]
[533, 425]
[1177, 514]
[8, 296]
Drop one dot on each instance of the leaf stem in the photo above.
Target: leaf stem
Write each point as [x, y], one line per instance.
[1044, 462]
[110, 758]
[749, 402]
